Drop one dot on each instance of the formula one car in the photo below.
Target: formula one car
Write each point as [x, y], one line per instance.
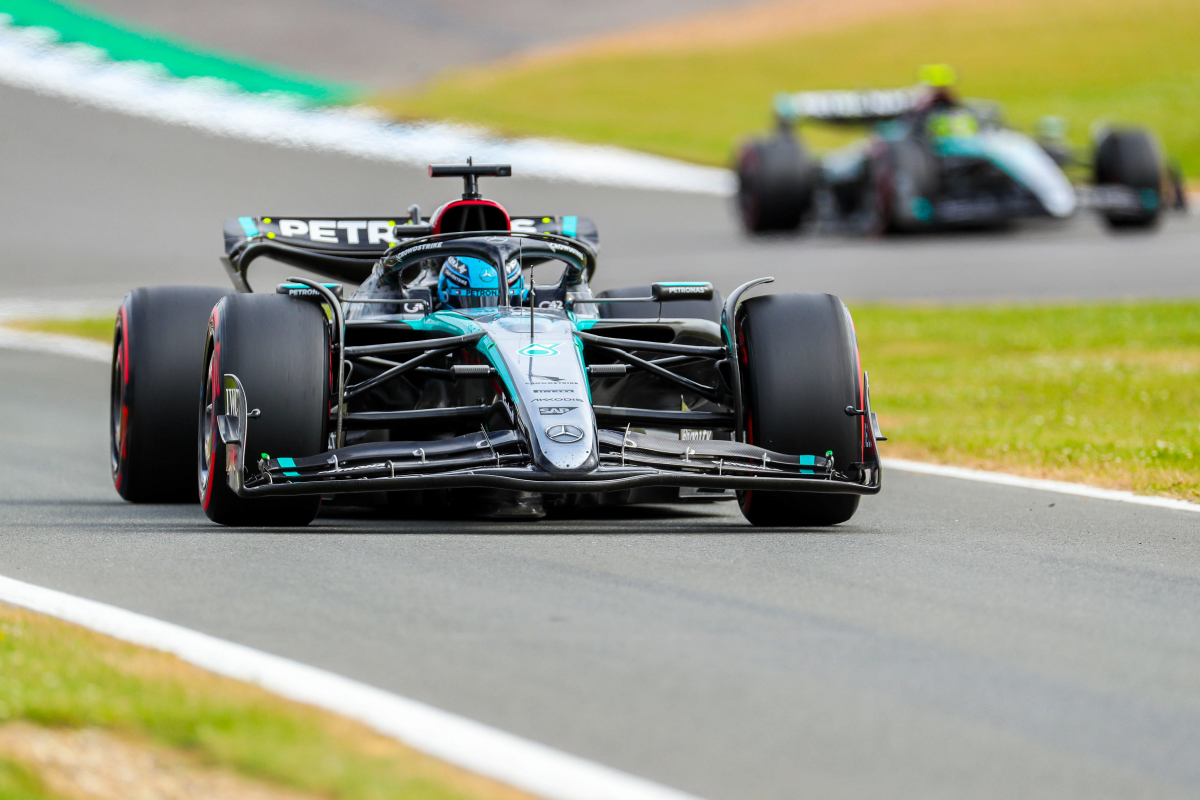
[449, 376]
[934, 162]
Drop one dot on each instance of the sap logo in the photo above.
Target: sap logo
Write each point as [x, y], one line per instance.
[554, 411]
[339, 231]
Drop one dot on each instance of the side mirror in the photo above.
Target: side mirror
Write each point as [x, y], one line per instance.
[691, 290]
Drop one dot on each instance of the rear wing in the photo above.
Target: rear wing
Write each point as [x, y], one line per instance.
[864, 107]
[347, 249]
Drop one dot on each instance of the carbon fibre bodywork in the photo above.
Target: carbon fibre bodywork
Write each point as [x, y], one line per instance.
[545, 397]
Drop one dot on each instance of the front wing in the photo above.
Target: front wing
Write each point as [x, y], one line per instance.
[501, 459]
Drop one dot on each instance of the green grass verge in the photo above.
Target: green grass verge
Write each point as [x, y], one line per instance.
[123, 42]
[1086, 60]
[100, 328]
[17, 782]
[1103, 394]
[56, 674]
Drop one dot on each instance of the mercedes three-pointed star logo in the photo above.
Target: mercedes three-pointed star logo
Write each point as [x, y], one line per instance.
[564, 434]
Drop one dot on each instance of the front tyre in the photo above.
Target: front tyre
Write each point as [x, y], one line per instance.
[1131, 157]
[279, 348]
[158, 350]
[800, 370]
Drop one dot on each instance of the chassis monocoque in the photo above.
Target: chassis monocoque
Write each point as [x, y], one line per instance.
[935, 163]
[547, 400]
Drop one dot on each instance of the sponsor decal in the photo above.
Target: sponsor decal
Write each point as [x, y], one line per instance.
[539, 349]
[557, 305]
[335, 231]
[554, 411]
[564, 434]
[419, 247]
[231, 401]
[694, 435]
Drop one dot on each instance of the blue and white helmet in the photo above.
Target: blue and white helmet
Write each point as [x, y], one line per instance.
[474, 283]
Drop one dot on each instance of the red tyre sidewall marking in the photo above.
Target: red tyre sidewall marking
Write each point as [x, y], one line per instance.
[123, 445]
[214, 372]
[744, 357]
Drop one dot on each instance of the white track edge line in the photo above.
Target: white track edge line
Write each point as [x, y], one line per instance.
[505, 757]
[1016, 481]
[56, 344]
[33, 59]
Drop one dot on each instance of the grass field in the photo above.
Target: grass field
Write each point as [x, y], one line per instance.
[57, 675]
[1132, 61]
[1102, 394]
[1105, 394]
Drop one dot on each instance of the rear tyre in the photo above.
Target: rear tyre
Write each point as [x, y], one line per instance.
[776, 184]
[158, 356]
[677, 309]
[279, 348]
[1131, 157]
[800, 370]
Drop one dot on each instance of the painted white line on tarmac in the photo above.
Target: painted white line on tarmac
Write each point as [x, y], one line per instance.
[518, 762]
[1061, 487]
[30, 58]
[55, 344]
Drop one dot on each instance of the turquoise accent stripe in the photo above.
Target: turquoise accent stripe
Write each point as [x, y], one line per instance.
[487, 346]
[248, 226]
[808, 461]
[291, 474]
[287, 462]
[570, 225]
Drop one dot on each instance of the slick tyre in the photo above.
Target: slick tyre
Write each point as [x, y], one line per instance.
[158, 357]
[278, 346]
[776, 184]
[679, 309]
[1131, 157]
[800, 369]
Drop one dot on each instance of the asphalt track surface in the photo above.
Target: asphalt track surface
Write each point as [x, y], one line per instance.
[954, 640]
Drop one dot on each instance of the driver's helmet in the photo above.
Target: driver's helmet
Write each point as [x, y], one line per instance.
[952, 122]
[473, 283]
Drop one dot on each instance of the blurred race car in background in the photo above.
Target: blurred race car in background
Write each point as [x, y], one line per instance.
[934, 162]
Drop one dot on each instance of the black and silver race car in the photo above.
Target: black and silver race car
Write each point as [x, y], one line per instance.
[933, 162]
[450, 377]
